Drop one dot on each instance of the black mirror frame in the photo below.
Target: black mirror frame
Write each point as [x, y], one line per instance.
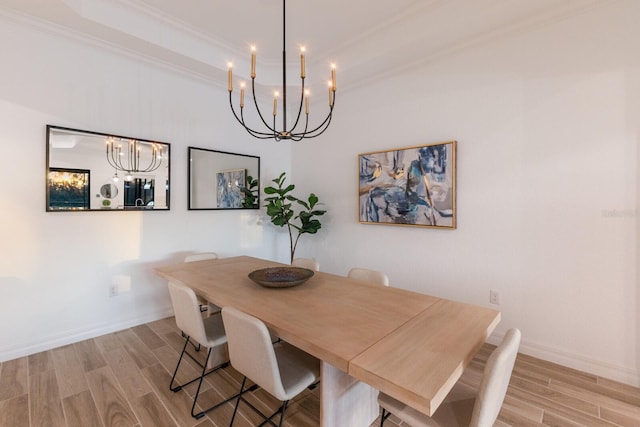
[189, 179]
[49, 168]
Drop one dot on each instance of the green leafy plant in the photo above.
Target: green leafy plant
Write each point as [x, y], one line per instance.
[250, 193]
[281, 208]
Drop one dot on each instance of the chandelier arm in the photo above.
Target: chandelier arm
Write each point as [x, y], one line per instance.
[299, 109]
[256, 134]
[119, 157]
[255, 101]
[275, 135]
[155, 164]
[131, 159]
[157, 157]
[152, 162]
[325, 122]
[132, 156]
[315, 133]
[112, 164]
[300, 136]
[320, 129]
[136, 154]
[233, 110]
[115, 161]
[150, 168]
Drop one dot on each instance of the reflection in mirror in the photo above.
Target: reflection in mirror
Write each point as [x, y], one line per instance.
[95, 171]
[68, 189]
[109, 190]
[221, 180]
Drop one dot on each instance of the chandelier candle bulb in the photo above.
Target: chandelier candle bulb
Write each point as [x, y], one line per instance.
[302, 71]
[253, 62]
[275, 103]
[333, 76]
[330, 94]
[306, 102]
[230, 77]
[241, 95]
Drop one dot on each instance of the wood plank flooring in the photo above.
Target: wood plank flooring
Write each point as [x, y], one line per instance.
[121, 379]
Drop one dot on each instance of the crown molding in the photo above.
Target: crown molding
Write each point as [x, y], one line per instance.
[384, 50]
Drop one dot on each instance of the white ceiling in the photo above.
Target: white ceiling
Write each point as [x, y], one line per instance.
[366, 38]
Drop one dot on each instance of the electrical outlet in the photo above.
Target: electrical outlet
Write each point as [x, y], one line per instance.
[494, 297]
[120, 285]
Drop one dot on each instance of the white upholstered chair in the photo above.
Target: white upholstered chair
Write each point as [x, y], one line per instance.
[464, 405]
[206, 332]
[306, 263]
[280, 369]
[203, 256]
[200, 256]
[369, 276]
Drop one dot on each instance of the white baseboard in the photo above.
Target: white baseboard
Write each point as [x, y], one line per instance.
[26, 348]
[575, 361]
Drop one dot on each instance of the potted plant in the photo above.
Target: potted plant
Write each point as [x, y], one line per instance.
[250, 193]
[281, 209]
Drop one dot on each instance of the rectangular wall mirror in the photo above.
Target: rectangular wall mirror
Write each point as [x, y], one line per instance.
[221, 180]
[91, 171]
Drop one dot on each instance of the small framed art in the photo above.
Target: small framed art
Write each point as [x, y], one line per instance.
[413, 186]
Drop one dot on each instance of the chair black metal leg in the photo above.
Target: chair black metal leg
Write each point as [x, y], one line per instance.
[195, 398]
[384, 416]
[235, 410]
[196, 347]
[267, 419]
[200, 378]
[184, 351]
[184, 348]
[284, 408]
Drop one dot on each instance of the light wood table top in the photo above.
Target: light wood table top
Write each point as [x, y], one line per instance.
[409, 345]
[419, 362]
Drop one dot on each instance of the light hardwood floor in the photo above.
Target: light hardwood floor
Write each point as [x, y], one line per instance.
[121, 379]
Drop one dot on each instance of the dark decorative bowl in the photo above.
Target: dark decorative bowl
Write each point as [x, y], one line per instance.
[281, 277]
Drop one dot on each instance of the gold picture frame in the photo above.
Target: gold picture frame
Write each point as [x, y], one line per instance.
[411, 186]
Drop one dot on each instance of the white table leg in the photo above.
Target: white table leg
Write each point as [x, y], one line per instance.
[345, 401]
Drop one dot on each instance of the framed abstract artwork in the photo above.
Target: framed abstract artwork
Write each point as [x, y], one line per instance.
[413, 186]
[229, 188]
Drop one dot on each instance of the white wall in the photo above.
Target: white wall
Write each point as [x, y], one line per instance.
[547, 124]
[56, 269]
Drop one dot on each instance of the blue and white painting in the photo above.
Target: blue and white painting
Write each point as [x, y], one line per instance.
[229, 188]
[409, 186]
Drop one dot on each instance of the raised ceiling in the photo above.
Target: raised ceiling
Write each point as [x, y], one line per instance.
[366, 38]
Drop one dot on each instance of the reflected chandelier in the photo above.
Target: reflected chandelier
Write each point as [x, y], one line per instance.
[271, 132]
[131, 159]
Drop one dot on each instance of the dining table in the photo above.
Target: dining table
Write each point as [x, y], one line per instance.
[368, 338]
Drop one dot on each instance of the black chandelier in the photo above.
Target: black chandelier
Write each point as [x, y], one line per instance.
[131, 159]
[270, 131]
